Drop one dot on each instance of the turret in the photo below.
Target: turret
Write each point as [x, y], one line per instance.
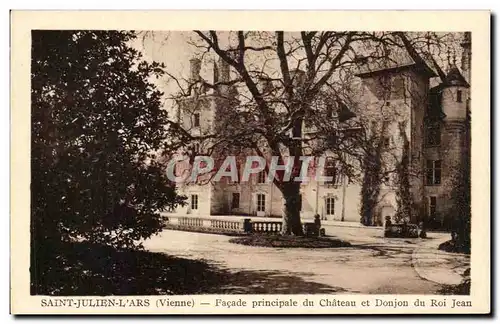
[454, 95]
[454, 103]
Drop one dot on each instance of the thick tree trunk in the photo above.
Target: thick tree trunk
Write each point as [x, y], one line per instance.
[291, 217]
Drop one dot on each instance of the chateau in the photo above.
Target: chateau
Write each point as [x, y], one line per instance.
[429, 108]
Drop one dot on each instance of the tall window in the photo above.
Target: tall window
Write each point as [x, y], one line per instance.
[432, 206]
[261, 177]
[300, 202]
[330, 170]
[196, 120]
[297, 129]
[235, 203]
[330, 206]
[433, 134]
[196, 147]
[194, 202]
[459, 95]
[261, 202]
[433, 172]
[387, 142]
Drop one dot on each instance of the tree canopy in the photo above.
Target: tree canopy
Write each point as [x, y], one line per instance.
[97, 128]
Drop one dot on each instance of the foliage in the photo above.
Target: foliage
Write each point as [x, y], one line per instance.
[461, 196]
[373, 169]
[403, 193]
[97, 125]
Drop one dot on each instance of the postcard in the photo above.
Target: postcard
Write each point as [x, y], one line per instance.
[250, 162]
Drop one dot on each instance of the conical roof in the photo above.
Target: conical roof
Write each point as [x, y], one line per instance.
[455, 78]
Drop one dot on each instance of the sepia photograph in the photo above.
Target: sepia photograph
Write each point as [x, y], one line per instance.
[250, 162]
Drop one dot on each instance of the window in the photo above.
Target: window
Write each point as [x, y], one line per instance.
[459, 95]
[433, 172]
[433, 134]
[194, 202]
[330, 170]
[330, 206]
[432, 207]
[387, 103]
[300, 202]
[196, 147]
[235, 203]
[196, 120]
[387, 142]
[330, 112]
[297, 129]
[261, 202]
[262, 177]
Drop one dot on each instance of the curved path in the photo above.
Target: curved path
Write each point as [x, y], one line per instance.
[373, 265]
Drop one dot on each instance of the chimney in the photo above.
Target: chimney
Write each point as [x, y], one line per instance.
[223, 70]
[195, 67]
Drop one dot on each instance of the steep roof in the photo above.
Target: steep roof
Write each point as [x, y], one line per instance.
[455, 78]
[397, 60]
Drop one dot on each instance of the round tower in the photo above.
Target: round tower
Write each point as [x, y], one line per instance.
[454, 95]
[454, 101]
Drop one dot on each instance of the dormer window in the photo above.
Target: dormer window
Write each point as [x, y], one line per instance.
[330, 170]
[329, 112]
[459, 95]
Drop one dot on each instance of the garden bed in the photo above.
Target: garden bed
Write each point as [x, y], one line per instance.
[450, 246]
[280, 241]
[205, 230]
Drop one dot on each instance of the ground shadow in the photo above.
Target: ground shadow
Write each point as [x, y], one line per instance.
[92, 270]
[271, 282]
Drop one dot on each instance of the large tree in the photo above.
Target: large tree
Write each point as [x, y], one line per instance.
[97, 125]
[287, 83]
